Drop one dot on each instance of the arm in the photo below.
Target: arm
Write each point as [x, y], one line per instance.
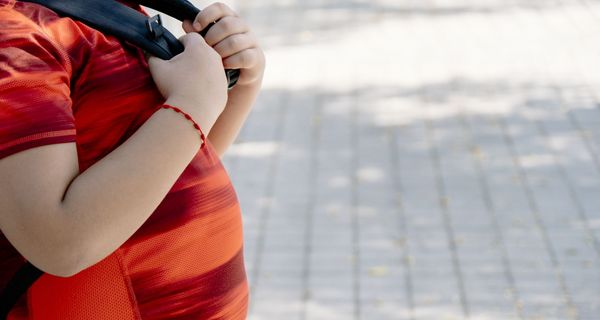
[64, 221]
[239, 49]
[230, 122]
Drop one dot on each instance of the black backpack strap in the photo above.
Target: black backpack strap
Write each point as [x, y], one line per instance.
[125, 23]
[185, 10]
[178, 9]
[121, 21]
[17, 286]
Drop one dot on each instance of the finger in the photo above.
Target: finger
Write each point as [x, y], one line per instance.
[211, 14]
[224, 28]
[242, 60]
[234, 44]
[187, 26]
[189, 39]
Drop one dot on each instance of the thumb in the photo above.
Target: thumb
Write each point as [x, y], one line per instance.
[154, 62]
[191, 38]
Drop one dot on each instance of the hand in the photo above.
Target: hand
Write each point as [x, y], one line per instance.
[178, 80]
[231, 37]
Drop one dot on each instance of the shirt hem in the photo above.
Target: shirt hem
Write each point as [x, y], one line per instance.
[36, 140]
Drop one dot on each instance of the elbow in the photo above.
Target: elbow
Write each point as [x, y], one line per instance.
[68, 267]
[49, 242]
[63, 263]
[74, 254]
[61, 271]
[55, 251]
[68, 253]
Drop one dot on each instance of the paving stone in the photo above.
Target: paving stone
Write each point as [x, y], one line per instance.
[453, 175]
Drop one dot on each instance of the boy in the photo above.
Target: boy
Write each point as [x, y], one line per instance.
[128, 211]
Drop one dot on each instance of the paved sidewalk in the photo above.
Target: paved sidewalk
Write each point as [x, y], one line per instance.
[423, 159]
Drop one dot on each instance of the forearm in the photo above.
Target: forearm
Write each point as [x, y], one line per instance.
[231, 120]
[233, 40]
[109, 201]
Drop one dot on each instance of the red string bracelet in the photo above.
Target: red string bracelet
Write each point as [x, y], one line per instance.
[187, 116]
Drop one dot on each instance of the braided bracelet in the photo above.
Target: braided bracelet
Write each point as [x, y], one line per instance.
[187, 116]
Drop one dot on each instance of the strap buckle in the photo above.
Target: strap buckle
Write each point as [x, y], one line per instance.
[155, 27]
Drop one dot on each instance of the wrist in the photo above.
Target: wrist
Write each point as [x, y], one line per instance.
[202, 116]
[252, 86]
[190, 119]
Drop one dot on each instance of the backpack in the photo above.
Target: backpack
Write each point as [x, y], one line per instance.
[114, 18]
[125, 23]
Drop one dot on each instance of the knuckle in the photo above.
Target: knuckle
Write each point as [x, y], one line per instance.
[245, 58]
[192, 38]
[241, 25]
[235, 42]
[196, 47]
[220, 6]
[188, 36]
[227, 23]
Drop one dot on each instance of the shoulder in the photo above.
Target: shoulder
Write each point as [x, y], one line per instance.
[6, 4]
[22, 16]
[26, 12]
[24, 20]
[35, 30]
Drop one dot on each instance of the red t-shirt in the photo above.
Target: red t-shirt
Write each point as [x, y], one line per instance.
[62, 81]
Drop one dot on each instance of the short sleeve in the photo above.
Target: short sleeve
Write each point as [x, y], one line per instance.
[35, 102]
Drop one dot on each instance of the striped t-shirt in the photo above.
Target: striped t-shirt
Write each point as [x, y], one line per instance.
[62, 81]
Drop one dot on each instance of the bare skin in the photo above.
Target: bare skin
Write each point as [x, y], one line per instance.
[64, 221]
[232, 38]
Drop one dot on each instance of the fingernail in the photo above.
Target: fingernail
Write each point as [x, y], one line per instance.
[197, 25]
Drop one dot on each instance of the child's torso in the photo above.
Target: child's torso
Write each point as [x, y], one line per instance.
[186, 260]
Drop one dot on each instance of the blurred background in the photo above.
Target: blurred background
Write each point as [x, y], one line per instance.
[422, 159]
